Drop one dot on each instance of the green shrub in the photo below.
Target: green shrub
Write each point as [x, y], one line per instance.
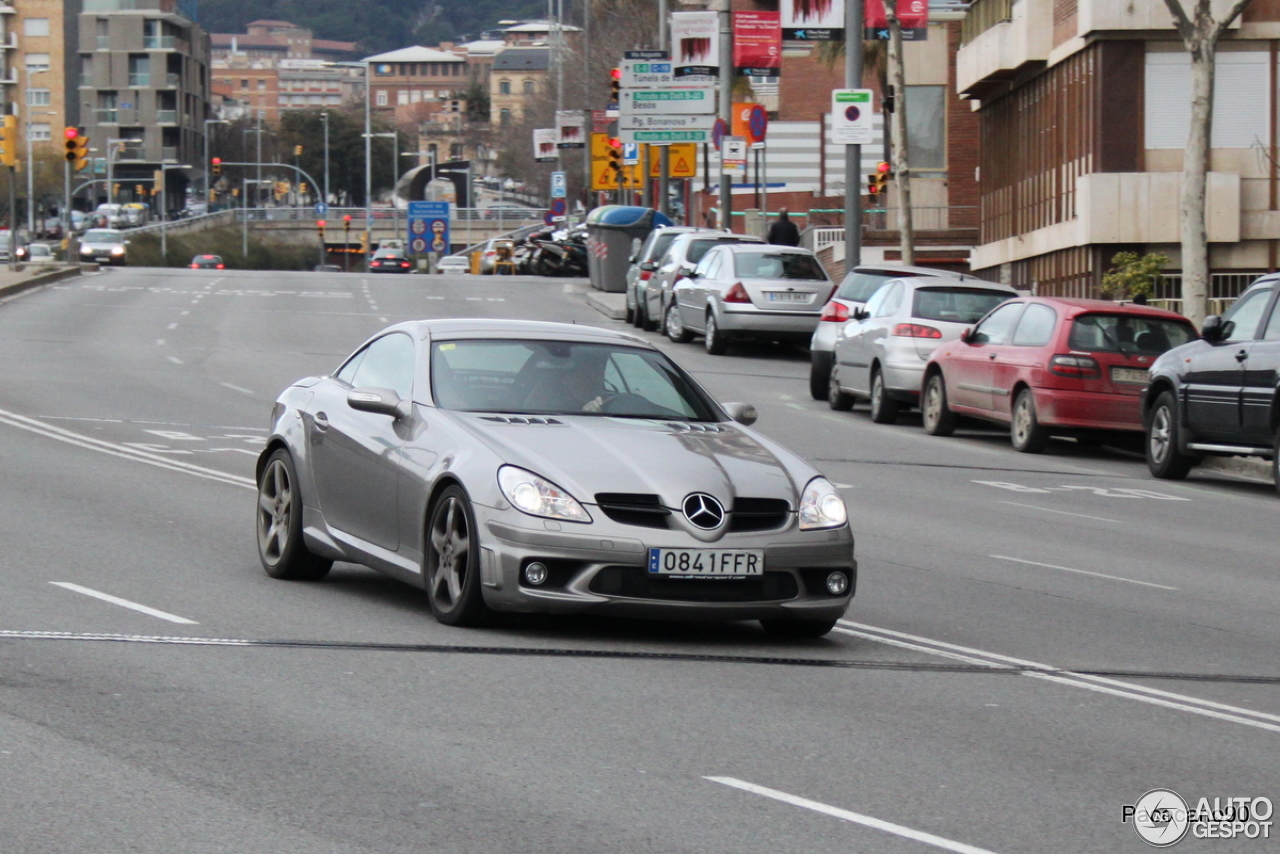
[264, 253]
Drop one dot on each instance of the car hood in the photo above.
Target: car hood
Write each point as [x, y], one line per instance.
[592, 454]
[95, 244]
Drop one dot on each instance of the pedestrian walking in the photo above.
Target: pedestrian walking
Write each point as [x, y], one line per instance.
[784, 232]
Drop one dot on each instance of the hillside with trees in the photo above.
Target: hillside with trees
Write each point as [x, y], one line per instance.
[378, 25]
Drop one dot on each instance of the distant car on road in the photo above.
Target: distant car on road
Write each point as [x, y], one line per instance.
[207, 262]
[36, 253]
[104, 245]
[451, 454]
[684, 253]
[454, 264]
[643, 265]
[390, 261]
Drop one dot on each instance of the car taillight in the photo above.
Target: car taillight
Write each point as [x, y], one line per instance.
[1078, 367]
[915, 330]
[222, 266]
[195, 266]
[737, 293]
[836, 312]
[646, 275]
[404, 263]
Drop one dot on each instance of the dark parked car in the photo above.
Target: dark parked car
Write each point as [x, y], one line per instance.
[1219, 395]
[207, 262]
[389, 261]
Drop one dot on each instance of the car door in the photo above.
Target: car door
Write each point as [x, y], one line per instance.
[1261, 380]
[852, 361]
[970, 374]
[867, 345]
[355, 455]
[1009, 362]
[695, 290]
[1214, 381]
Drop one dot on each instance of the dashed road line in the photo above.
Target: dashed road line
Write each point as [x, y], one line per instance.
[124, 603]
[1085, 572]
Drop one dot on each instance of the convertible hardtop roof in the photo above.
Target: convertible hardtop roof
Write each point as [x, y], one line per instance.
[457, 328]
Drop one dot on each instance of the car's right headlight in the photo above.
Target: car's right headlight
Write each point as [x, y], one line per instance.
[538, 496]
[821, 506]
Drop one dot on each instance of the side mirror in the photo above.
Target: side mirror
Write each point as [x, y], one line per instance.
[1215, 329]
[631, 259]
[967, 335]
[382, 401]
[648, 266]
[744, 413]
[860, 314]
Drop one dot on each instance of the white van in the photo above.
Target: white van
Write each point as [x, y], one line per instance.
[110, 215]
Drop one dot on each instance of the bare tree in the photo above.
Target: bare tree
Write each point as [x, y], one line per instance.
[1200, 33]
[898, 134]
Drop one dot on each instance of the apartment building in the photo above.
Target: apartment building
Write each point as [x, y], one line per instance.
[1083, 109]
[43, 89]
[411, 84]
[144, 77]
[517, 74]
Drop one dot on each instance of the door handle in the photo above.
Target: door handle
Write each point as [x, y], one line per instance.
[1242, 355]
[991, 355]
[321, 421]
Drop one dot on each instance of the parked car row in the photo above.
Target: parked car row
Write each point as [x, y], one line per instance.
[958, 347]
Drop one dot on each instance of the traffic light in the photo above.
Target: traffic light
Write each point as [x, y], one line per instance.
[140, 189]
[320, 229]
[77, 149]
[346, 220]
[297, 151]
[615, 155]
[615, 86]
[9, 141]
[302, 187]
[877, 181]
[216, 165]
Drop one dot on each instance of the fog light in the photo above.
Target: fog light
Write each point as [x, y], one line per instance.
[536, 574]
[837, 583]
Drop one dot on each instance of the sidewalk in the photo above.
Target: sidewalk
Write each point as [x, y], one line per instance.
[614, 307]
[33, 276]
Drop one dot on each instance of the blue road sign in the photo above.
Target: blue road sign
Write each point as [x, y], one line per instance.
[321, 209]
[428, 227]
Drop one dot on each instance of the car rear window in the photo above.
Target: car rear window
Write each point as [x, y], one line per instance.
[659, 246]
[779, 265]
[860, 287]
[698, 248]
[1128, 333]
[956, 305]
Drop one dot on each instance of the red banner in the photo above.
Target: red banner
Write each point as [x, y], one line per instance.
[913, 14]
[757, 43]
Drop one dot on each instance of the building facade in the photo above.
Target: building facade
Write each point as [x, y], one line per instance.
[144, 77]
[412, 84]
[1083, 108]
[517, 74]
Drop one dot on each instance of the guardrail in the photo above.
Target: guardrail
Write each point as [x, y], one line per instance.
[384, 215]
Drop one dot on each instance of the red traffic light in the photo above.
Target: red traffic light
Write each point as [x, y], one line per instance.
[346, 217]
[216, 161]
[319, 223]
[883, 166]
[614, 142]
[616, 74]
[71, 133]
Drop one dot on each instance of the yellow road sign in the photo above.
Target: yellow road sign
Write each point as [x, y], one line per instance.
[683, 160]
[603, 177]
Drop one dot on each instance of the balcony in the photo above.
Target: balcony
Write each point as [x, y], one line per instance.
[166, 117]
[108, 115]
[158, 42]
[140, 80]
[171, 80]
[104, 42]
[169, 154]
[1004, 37]
[1137, 15]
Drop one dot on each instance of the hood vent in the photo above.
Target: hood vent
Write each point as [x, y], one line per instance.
[519, 419]
[695, 427]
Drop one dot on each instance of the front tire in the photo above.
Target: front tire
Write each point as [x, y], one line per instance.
[1164, 460]
[820, 364]
[281, 549]
[674, 326]
[939, 420]
[715, 342]
[837, 398]
[452, 570]
[1025, 430]
[884, 409]
[784, 628]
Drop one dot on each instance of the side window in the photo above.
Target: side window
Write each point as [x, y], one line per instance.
[996, 328]
[892, 300]
[1246, 314]
[1273, 327]
[1036, 326]
[708, 265]
[348, 371]
[387, 363]
[877, 300]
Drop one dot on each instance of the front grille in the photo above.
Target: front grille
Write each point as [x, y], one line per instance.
[633, 509]
[759, 514]
[636, 583]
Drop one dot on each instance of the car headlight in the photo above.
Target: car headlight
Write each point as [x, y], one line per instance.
[538, 496]
[821, 506]
[117, 250]
[86, 250]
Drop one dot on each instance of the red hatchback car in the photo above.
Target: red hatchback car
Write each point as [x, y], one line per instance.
[1045, 365]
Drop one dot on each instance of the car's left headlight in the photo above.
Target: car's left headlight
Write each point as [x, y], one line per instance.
[538, 496]
[117, 250]
[821, 506]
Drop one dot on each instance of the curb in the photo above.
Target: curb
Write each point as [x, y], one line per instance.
[38, 280]
[1253, 468]
[613, 312]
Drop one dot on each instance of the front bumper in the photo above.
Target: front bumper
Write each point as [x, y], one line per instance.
[604, 571]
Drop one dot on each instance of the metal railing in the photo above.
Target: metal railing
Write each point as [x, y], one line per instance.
[982, 16]
[140, 79]
[157, 42]
[940, 218]
[166, 117]
[510, 216]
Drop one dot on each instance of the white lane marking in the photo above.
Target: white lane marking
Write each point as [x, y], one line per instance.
[174, 359]
[383, 320]
[122, 451]
[159, 342]
[107, 636]
[856, 818]
[1084, 572]
[172, 326]
[236, 388]
[1060, 512]
[124, 603]
[1099, 684]
[184, 313]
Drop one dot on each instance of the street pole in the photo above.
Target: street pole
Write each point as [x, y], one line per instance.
[368, 149]
[726, 112]
[13, 220]
[244, 219]
[853, 16]
[257, 185]
[664, 151]
[66, 204]
[324, 117]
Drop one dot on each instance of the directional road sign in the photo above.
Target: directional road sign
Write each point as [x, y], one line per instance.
[428, 227]
[662, 137]
[666, 122]
[321, 209]
[683, 101]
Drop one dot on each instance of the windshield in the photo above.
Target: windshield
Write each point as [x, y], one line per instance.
[698, 248]
[1127, 333]
[101, 235]
[661, 242]
[779, 265]
[956, 305]
[860, 287]
[563, 378]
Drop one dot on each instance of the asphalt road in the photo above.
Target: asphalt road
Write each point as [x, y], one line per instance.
[1036, 641]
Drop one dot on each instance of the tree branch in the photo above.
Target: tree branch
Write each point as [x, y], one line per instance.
[1180, 20]
[1222, 25]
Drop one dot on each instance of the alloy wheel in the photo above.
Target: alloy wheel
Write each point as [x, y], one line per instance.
[275, 506]
[451, 542]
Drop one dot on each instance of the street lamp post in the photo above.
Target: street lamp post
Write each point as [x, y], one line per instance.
[164, 243]
[111, 160]
[208, 185]
[368, 148]
[324, 117]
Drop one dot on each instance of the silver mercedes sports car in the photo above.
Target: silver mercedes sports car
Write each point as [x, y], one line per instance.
[522, 466]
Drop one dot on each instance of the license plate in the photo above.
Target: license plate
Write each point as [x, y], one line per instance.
[1138, 376]
[788, 296]
[707, 563]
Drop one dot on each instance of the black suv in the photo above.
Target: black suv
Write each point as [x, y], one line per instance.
[1219, 395]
